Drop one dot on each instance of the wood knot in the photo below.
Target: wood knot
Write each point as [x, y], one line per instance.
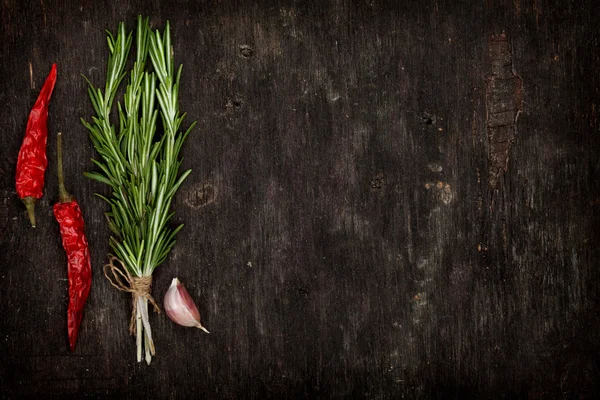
[246, 51]
[201, 195]
[378, 181]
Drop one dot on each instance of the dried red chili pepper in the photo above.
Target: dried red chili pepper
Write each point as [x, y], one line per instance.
[68, 214]
[32, 162]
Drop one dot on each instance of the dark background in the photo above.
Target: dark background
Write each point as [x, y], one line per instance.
[350, 229]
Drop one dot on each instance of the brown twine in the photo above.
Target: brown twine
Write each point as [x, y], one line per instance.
[138, 286]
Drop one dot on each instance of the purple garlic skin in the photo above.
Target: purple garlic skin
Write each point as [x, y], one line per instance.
[181, 308]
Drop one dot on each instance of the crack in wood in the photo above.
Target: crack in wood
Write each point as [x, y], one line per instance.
[503, 106]
[5, 197]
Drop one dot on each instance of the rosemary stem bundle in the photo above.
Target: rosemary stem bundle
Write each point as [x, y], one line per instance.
[139, 162]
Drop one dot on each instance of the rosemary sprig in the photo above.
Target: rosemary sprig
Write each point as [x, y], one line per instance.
[142, 171]
[140, 166]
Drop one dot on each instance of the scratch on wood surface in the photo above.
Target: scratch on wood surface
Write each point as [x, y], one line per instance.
[31, 76]
[536, 9]
[503, 106]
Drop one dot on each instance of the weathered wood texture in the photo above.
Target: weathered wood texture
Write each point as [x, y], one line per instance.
[387, 198]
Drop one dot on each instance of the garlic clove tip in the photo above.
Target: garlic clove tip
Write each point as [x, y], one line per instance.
[202, 328]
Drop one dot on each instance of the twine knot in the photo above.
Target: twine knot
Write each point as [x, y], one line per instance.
[138, 286]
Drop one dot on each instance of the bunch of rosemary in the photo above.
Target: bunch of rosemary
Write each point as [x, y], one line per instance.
[139, 163]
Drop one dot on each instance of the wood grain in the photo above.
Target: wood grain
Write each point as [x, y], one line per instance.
[345, 234]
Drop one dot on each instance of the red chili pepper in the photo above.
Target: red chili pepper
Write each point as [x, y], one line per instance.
[68, 215]
[32, 162]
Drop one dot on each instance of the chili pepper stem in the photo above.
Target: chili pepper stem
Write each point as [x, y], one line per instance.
[63, 195]
[30, 206]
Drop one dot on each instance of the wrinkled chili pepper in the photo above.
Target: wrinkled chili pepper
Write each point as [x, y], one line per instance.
[68, 214]
[32, 162]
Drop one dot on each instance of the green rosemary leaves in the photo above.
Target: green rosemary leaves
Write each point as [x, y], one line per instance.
[139, 163]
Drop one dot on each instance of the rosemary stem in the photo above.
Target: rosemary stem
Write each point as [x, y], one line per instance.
[147, 346]
[139, 332]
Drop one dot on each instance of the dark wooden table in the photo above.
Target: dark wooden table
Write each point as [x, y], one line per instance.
[386, 200]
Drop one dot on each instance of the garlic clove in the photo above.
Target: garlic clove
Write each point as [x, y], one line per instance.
[181, 308]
